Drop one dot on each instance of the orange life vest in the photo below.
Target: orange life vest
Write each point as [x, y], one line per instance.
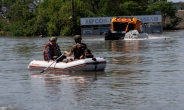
[53, 47]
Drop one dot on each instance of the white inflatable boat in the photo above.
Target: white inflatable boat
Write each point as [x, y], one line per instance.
[88, 64]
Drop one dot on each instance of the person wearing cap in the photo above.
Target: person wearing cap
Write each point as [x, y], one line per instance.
[78, 48]
[52, 51]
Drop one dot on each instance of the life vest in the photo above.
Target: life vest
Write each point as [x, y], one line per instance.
[80, 48]
[54, 51]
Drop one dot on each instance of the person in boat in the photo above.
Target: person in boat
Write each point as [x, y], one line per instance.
[52, 51]
[78, 49]
[87, 54]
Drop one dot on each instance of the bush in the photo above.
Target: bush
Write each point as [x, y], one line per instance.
[2, 33]
[66, 31]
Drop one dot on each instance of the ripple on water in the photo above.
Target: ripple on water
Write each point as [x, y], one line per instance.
[140, 74]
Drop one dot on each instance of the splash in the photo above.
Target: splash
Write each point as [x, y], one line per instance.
[150, 37]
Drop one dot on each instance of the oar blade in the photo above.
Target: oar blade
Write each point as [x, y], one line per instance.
[42, 71]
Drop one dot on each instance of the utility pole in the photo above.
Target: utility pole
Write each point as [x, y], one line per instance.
[73, 19]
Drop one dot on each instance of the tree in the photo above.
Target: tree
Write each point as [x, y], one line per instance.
[167, 9]
[130, 8]
[53, 17]
[181, 6]
[173, 23]
[94, 7]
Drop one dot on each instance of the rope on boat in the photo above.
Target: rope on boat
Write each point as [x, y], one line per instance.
[95, 63]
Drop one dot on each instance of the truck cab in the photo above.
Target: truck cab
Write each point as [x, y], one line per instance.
[120, 26]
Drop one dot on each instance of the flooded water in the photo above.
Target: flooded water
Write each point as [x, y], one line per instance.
[145, 74]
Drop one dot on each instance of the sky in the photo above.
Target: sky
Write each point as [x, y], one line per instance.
[175, 0]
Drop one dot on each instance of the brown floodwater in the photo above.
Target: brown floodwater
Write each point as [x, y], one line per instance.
[141, 74]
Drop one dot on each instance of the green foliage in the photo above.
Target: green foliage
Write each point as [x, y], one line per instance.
[16, 29]
[4, 27]
[2, 33]
[181, 6]
[53, 17]
[66, 31]
[130, 8]
[174, 22]
[167, 9]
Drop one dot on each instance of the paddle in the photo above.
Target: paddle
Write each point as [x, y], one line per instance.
[52, 63]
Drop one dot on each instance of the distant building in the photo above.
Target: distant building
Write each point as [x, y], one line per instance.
[100, 25]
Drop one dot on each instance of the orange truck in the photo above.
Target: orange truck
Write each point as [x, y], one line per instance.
[121, 25]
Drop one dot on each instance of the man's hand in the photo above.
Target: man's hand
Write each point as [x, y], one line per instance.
[55, 57]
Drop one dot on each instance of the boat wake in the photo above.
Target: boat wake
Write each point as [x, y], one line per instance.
[135, 35]
[149, 38]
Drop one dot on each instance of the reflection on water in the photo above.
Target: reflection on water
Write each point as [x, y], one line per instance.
[127, 54]
[65, 87]
[140, 75]
[52, 76]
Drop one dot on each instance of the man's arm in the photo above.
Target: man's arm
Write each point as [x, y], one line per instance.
[71, 51]
[68, 53]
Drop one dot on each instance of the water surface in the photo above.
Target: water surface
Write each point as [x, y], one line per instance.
[142, 74]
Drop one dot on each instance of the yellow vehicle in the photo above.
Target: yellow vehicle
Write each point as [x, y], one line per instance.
[121, 25]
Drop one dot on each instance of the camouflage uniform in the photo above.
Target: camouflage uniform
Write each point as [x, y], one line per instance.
[78, 50]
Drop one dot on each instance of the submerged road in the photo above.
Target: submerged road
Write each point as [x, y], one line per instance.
[145, 74]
